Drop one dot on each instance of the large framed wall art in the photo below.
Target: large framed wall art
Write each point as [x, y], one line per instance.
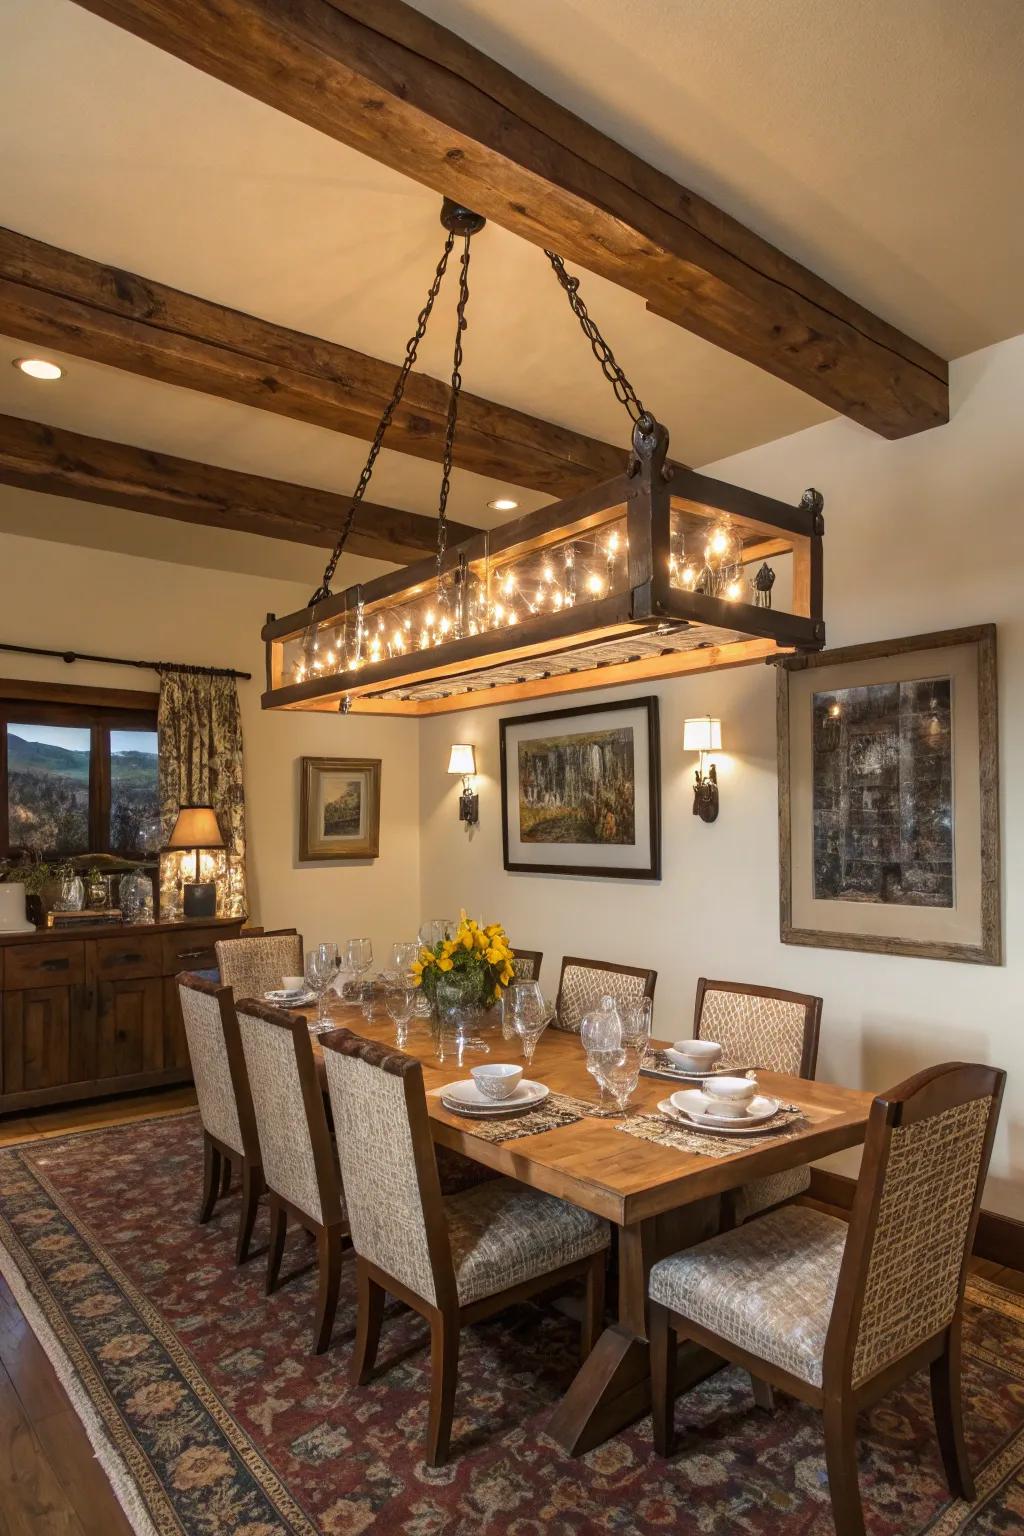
[889, 797]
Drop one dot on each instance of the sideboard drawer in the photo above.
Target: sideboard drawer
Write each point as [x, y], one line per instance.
[134, 956]
[192, 949]
[44, 965]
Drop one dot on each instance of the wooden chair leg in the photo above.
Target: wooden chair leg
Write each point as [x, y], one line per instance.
[370, 1299]
[841, 1462]
[225, 1176]
[948, 1410]
[592, 1321]
[211, 1180]
[328, 1249]
[663, 1379]
[444, 1371]
[252, 1188]
[764, 1395]
[278, 1229]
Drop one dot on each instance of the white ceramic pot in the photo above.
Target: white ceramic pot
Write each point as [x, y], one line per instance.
[12, 908]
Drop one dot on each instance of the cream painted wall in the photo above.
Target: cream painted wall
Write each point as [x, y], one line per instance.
[922, 534]
[122, 605]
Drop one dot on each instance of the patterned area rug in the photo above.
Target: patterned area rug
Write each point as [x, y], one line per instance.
[212, 1418]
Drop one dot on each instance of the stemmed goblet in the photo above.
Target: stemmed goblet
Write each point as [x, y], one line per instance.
[321, 969]
[530, 1013]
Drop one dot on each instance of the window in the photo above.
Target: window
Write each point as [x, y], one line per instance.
[78, 777]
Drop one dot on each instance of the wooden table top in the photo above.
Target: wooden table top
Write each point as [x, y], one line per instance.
[599, 1167]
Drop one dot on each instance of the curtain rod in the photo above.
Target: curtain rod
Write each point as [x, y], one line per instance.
[123, 661]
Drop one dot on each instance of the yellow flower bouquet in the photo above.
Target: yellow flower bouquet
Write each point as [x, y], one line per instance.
[474, 963]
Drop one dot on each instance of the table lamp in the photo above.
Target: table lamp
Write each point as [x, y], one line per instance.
[197, 827]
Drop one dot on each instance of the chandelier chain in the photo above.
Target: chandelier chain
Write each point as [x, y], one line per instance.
[412, 347]
[453, 407]
[612, 370]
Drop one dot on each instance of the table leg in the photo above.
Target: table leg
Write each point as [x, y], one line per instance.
[613, 1386]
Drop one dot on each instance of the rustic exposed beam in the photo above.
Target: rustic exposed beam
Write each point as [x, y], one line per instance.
[382, 77]
[54, 298]
[43, 458]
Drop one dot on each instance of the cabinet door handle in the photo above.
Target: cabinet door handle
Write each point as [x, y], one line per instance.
[54, 965]
[129, 958]
[191, 954]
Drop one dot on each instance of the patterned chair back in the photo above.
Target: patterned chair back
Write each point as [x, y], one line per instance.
[760, 1026]
[253, 966]
[204, 1009]
[583, 983]
[291, 1123]
[527, 964]
[914, 1216]
[388, 1167]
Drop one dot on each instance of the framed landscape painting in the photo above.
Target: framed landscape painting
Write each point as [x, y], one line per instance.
[889, 797]
[580, 791]
[339, 809]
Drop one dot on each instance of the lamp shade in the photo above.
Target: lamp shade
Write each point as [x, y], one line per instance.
[702, 735]
[196, 827]
[462, 759]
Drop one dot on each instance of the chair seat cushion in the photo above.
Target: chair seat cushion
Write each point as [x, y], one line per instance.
[767, 1287]
[503, 1233]
[762, 1194]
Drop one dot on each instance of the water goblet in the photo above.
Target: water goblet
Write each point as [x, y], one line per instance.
[321, 969]
[530, 1013]
[618, 1071]
[400, 1001]
[600, 1035]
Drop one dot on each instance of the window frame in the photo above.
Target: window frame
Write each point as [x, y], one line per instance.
[100, 711]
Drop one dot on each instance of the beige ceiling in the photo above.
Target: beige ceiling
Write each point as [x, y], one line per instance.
[877, 143]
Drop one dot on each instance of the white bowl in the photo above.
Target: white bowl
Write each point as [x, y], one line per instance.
[730, 1095]
[497, 1079]
[698, 1055]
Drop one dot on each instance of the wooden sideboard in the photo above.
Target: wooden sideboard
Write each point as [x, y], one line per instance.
[89, 1014]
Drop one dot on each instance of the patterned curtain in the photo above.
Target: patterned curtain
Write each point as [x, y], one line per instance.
[199, 729]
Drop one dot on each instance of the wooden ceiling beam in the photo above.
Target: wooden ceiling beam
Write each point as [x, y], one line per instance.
[384, 78]
[43, 458]
[52, 297]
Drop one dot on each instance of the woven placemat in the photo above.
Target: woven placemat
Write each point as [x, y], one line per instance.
[671, 1133]
[556, 1110]
[660, 1064]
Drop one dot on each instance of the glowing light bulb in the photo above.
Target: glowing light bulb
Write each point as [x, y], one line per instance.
[474, 629]
[499, 613]
[330, 658]
[429, 618]
[508, 586]
[718, 542]
[834, 711]
[595, 585]
[407, 622]
[399, 640]
[538, 596]
[734, 591]
[613, 545]
[513, 618]
[689, 576]
[424, 639]
[557, 599]
[445, 625]
[549, 574]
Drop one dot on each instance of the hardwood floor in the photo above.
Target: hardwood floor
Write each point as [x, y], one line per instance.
[50, 1482]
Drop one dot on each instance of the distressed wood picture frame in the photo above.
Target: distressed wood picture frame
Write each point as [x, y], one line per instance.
[914, 726]
[339, 808]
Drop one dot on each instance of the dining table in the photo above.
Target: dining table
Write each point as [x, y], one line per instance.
[658, 1198]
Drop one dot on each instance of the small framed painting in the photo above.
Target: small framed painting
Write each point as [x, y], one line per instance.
[339, 809]
[581, 791]
[889, 798]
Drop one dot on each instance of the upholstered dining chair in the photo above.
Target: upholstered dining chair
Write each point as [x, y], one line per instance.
[253, 965]
[299, 1166]
[453, 1259]
[838, 1315]
[583, 983]
[768, 1028]
[527, 964]
[225, 1102]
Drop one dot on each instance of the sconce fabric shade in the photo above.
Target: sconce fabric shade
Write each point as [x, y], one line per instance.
[196, 827]
[462, 760]
[702, 735]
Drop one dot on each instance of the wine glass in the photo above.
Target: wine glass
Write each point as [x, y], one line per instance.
[403, 954]
[358, 956]
[618, 1071]
[600, 1035]
[400, 1001]
[530, 1013]
[321, 969]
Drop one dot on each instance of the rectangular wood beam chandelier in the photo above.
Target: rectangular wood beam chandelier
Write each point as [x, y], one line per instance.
[658, 572]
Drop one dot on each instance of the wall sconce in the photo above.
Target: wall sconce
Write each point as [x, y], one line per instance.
[463, 761]
[704, 735]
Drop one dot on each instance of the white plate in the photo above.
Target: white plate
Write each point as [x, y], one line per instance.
[282, 999]
[718, 1070]
[465, 1097]
[687, 1106]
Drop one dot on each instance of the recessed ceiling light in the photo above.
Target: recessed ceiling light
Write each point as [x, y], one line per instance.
[503, 504]
[39, 368]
